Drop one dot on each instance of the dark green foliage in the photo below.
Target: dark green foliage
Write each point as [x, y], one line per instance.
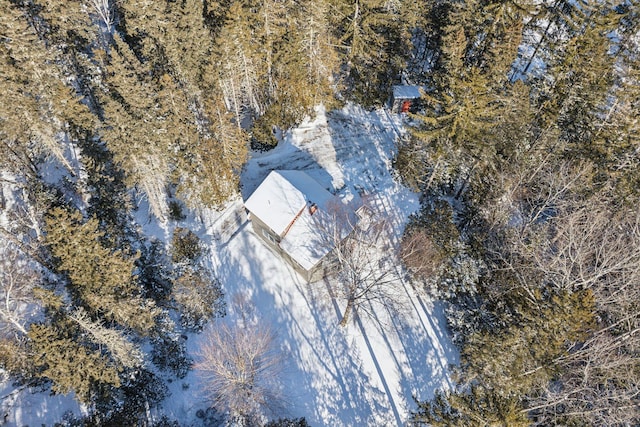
[165, 421]
[524, 355]
[211, 417]
[170, 354]
[176, 211]
[436, 412]
[108, 199]
[263, 132]
[80, 254]
[153, 272]
[126, 406]
[436, 218]
[185, 246]
[140, 391]
[413, 164]
[199, 297]
[430, 240]
[288, 422]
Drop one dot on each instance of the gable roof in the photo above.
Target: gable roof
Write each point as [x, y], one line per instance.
[282, 195]
[406, 92]
[281, 201]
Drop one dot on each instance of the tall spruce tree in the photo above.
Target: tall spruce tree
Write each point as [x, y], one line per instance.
[38, 106]
[100, 280]
[374, 44]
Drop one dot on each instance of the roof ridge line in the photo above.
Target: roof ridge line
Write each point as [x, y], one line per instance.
[295, 218]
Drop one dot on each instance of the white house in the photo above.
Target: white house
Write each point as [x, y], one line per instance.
[290, 211]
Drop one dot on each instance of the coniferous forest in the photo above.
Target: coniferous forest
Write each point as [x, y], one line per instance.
[525, 153]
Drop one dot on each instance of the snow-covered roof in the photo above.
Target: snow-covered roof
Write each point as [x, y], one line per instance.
[406, 92]
[282, 195]
[282, 202]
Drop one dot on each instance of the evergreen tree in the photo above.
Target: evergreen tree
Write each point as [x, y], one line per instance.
[67, 24]
[182, 138]
[132, 131]
[37, 105]
[101, 280]
[549, 25]
[238, 64]
[58, 356]
[478, 408]
[374, 43]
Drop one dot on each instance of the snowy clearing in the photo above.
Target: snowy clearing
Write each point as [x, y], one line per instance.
[364, 374]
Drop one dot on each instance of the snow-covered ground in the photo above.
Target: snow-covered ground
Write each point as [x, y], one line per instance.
[364, 374]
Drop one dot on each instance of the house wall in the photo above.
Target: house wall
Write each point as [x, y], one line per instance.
[297, 267]
[260, 228]
[396, 105]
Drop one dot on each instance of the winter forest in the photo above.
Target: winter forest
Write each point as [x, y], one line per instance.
[122, 116]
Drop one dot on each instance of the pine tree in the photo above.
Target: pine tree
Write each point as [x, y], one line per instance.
[58, 356]
[132, 131]
[101, 280]
[37, 105]
[173, 36]
[67, 24]
[374, 44]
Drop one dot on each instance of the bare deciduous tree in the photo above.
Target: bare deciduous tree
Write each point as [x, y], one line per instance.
[17, 280]
[362, 263]
[105, 11]
[600, 383]
[239, 367]
[121, 349]
[598, 248]
[419, 254]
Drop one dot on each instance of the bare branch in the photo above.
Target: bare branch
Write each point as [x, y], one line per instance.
[363, 259]
[104, 10]
[239, 368]
[124, 351]
[17, 280]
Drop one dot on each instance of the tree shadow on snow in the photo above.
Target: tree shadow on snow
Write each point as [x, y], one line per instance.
[351, 155]
[323, 378]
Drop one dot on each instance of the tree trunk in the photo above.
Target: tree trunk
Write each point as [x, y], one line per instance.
[347, 312]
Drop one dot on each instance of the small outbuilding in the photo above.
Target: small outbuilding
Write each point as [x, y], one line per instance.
[286, 211]
[404, 98]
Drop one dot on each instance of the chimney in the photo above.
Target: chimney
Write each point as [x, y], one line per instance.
[313, 208]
